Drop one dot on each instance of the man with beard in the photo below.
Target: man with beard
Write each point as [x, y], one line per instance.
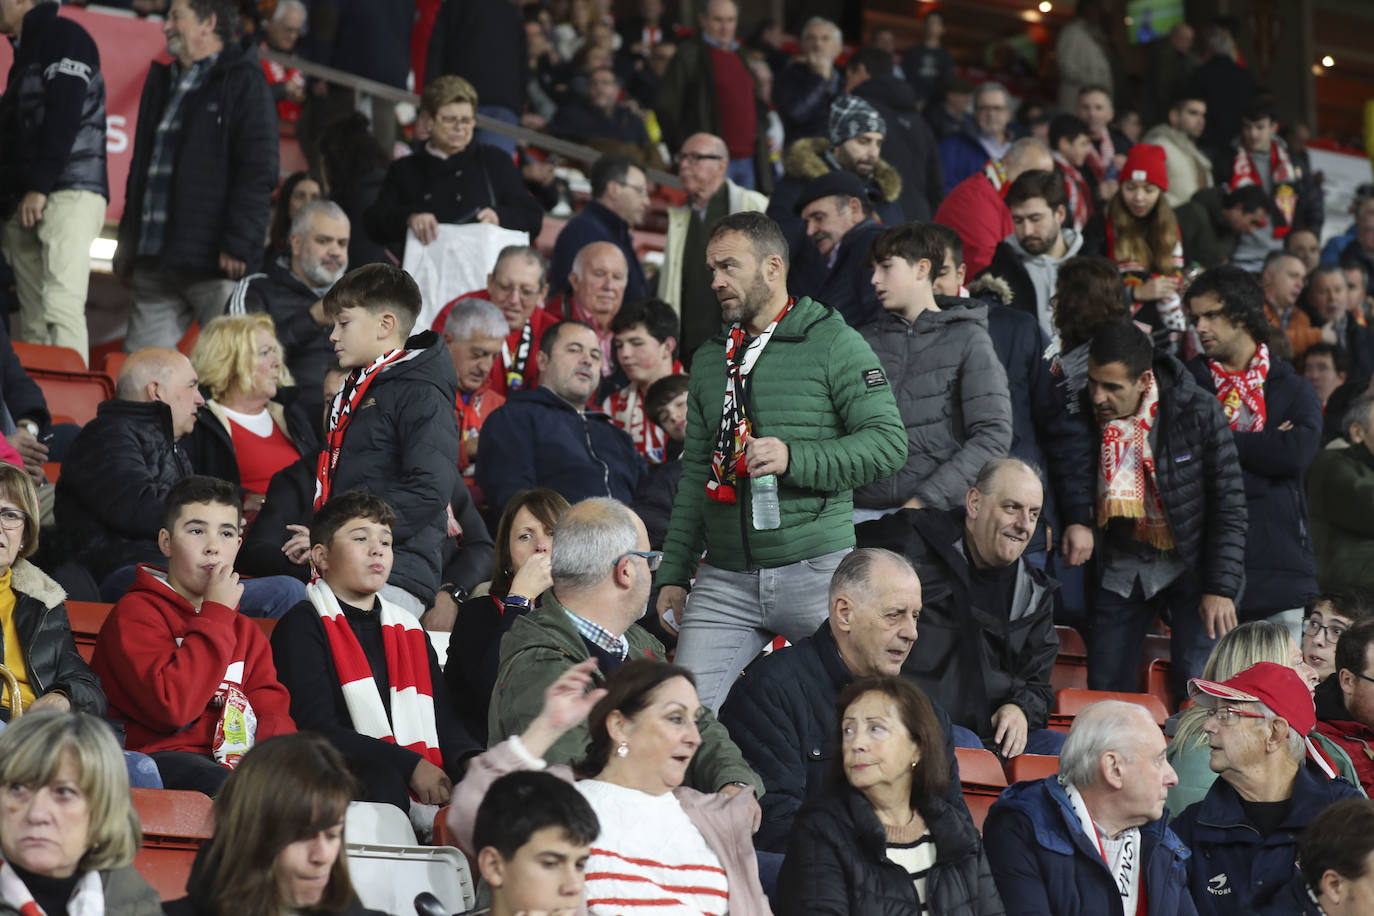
[1189, 168]
[975, 208]
[292, 292]
[787, 412]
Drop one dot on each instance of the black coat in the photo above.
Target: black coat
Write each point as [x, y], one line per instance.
[474, 658]
[453, 189]
[225, 166]
[910, 145]
[287, 299]
[847, 287]
[484, 43]
[1280, 566]
[113, 485]
[1208, 240]
[969, 659]
[401, 445]
[596, 223]
[22, 397]
[837, 864]
[654, 497]
[45, 638]
[781, 715]
[197, 900]
[210, 446]
[355, 198]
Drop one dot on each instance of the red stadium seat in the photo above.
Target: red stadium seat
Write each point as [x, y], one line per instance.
[44, 356]
[979, 803]
[1032, 766]
[1154, 680]
[73, 394]
[1071, 702]
[175, 825]
[86, 618]
[52, 470]
[979, 767]
[113, 363]
[1071, 664]
[266, 624]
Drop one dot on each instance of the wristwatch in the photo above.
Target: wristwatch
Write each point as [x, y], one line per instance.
[519, 601]
[31, 426]
[456, 592]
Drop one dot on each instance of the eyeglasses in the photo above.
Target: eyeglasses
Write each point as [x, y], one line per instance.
[455, 121]
[1225, 715]
[637, 188]
[10, 519]
[651, 557]
[1331, 632]
[695, 158]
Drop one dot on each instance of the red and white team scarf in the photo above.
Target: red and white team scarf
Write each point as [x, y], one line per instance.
[1100, 158]
[407, 668]
[88, 898]
[727, 461]
[1244, 388]
[996, 173]
[1076, 186]
[1282, 174]
[1126, 485]
[626, 410]
[348, 399]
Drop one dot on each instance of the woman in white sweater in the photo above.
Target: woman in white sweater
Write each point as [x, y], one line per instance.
[663, 848]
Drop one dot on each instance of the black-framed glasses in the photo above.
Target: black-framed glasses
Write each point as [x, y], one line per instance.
[1363, 677]
[10, 519]
[651, 557]
[1331, 632]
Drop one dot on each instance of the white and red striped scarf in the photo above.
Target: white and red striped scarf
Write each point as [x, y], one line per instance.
[1283, 176]
[1076, 186]
[348, 399]
[407, 663]
[1126, 485]
[626, 410]
[1246, 388]
[1100, 158]
[88, 898]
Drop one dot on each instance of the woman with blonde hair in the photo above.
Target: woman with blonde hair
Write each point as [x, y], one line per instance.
[68, 832]
[244, 434]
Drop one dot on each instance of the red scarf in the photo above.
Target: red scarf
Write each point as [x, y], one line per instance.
[1246, 388]
[728, 460]
[1100, 160]
[347, 401]
[1126, 487]
[1080, 196]
[1283, 176]
[626, 409]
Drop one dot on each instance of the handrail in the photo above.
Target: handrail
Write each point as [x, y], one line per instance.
[523, 134]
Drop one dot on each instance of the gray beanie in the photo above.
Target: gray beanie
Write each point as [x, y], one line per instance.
[851, 116]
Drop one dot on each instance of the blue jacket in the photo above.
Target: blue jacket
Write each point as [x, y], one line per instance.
[1231, 862]
[1291, 899]
[537, 439]
[847, 287]
[596, 223]
[1280, 566]
[961, 155]
[1045, 864]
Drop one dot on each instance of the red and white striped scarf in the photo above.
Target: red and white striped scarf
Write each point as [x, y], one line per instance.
[88, 897]
[1246, 388]
[1126, 485]
[626, 410]
[407, 670]
[1076, 186]
[1100, 159]
[347, 401]
[1283, 177]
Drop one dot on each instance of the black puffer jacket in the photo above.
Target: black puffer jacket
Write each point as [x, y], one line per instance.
[971, 660]
[781, 714]
[224, 169]
[45, 635]
[52, 118]
[287, 299]
[910, 145]
[837, 864]
[846, 285]
[114, 483]
[401, 446]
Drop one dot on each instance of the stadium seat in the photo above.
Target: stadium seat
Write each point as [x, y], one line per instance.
[45, 356]
[979, 767]
[73, 394]
[52, 470]
[979, 803]
[86, 619]
[188, 340]
[113, 363]
[1031, 766]
[1071, 664]
[266, 624]
[1154, 680]
[175, 825]
[1071, 702]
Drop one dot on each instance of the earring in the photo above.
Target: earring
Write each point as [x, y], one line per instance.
[623, 750]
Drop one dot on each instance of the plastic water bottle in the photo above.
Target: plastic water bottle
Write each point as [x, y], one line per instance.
[763, 498]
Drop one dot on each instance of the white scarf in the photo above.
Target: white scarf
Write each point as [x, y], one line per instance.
[88, 898]
[1123, 861]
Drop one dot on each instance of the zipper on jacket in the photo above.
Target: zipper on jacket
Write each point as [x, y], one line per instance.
[34, 683]
[605, 468]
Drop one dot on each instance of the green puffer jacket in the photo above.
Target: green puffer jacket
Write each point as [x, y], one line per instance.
[1340, 487]
[818, 387]
[543, 644]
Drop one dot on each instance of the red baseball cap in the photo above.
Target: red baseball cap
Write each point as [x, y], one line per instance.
[1277, 686]
[1146, 162]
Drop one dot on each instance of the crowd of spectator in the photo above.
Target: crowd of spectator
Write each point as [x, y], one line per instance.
[731, 548]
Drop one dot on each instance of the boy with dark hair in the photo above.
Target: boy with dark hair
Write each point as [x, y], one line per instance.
[361, 671]
[391, 428]
[1070, 144]
[666, 404]
[1262, 159]
[533, 834]
[950, 388]
[190, 677]
[645, 334]
[1213, 222]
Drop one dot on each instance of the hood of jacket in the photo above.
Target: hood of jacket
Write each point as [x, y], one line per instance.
[951, 310]
[990, 289]
[28, 579]
[895, 93]
[810, 158]
[1072, 239]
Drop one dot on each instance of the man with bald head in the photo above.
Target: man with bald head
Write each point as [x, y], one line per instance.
[602, 574]
[1093, 839]
[975, 210]
[701, 164]
[598, 284]
[781, 712]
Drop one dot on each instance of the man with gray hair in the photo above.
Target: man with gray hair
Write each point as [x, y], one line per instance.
[975, 209]
[988, 138]
[602, 573]
[1340, 502]
[805, 87]
[781, 712]
[1244, 833]
[474, 332]
[292, 290]
[280, 34]
[1093, 840]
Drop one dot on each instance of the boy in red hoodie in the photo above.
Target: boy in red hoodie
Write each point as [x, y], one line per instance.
[191, 678]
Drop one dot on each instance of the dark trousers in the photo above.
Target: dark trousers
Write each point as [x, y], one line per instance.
[193, 772]
[1118, 630]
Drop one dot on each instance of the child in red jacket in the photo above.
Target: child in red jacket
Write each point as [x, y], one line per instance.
[191, 678]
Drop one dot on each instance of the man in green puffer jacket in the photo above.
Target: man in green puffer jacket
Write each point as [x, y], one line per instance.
[788, 391]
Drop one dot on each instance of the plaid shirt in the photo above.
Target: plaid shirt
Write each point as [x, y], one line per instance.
[599, 636]
[157, 193]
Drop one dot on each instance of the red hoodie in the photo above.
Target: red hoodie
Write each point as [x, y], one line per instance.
[161, 663]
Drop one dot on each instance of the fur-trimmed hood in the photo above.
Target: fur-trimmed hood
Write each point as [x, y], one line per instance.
[991, 289]
[808, 158]
[28, 579]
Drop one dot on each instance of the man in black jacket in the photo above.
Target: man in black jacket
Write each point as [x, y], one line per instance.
[1211, 224]
[987, 643]
[1276, 421]
[781, 712]
[292, 292]
[1170, 511]
[201, 181]
[54, 186]
[831, 264]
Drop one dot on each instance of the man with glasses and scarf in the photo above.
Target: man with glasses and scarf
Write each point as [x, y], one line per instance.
[1345, 703]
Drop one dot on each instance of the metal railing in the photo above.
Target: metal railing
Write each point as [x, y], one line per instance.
[537, 139]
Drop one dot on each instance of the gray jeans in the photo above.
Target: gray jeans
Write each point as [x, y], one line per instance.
[731, 616]
[165, 301]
